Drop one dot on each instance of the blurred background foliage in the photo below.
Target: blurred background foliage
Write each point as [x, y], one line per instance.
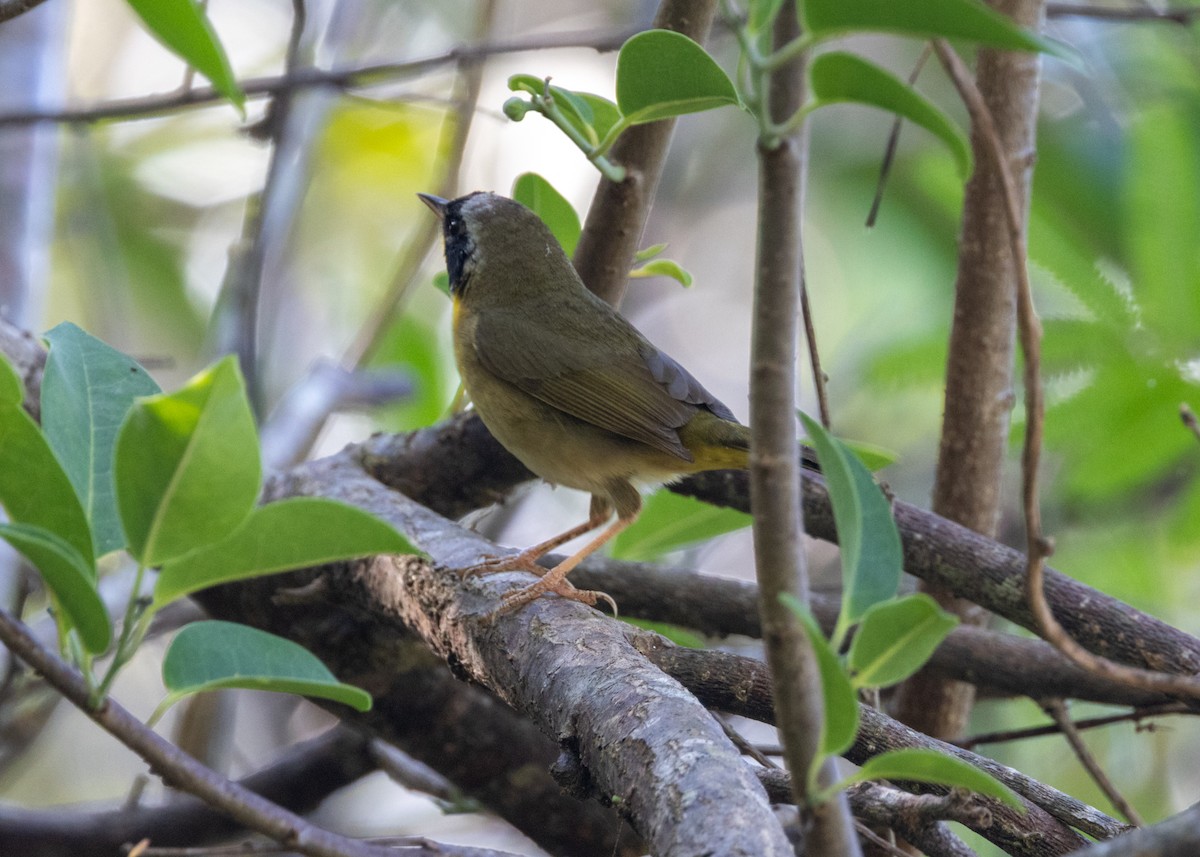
[149, 209]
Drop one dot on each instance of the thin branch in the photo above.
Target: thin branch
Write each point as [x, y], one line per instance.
[1058, 711]
[1182, 15]
[175, 766]
[1186, 414]
[779, 559]
[10, 9]
[1029, 330]
[299, 781]
[893, 141]
[142, 107]
[1136, 716]
[820, 382]
[401, 846]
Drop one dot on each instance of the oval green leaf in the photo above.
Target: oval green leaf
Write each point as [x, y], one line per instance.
[293, 533]
[928, 19]
[71, 578]
[661, 74]
[671, 521]
[537, 194]
[895, 639]
[605, 114]
[841, 707]
[919, 765]
[872, 558]
[34, 488]
[841, 77]
[187, 466]
[184, 28]
[87, 388]
[211, 655]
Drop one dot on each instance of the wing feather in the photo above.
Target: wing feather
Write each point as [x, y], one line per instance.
[629, 388]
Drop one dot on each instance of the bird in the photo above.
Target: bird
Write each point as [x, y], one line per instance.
[567, 384]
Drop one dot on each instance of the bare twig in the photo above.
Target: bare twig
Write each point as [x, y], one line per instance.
[1184, 15]
[814, 353]
[1136, 716]
[142, 107]
[893, 140]
[10, 9]
[402, 847]
[1186, 413]
[1058, 711]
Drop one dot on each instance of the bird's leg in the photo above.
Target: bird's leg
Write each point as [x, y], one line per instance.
[628, 504]
[527, 559]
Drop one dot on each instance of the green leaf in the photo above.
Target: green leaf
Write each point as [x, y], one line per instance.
[867, 535]
[895, 638]
[663, 268]
[537, 194]
[87, 388]
[840, 77]
[605, 114]
[187, 466]
[34, 488]
[211, 655]
[183, 27]
[661, 74]
[670, 521]
[1166, 153]
[873, 457]
[69, 576]
[929, 766]
[293, 533]
[928, 19]
[841, 707]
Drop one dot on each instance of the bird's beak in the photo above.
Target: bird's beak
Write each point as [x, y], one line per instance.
[436, 204]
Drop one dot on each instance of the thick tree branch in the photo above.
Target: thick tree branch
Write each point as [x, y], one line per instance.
[142, 107]
[619, 721]
[979, 364]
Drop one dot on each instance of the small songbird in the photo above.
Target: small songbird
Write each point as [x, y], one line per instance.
[566, 384]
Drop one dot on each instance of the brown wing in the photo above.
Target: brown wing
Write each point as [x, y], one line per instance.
[626, 386]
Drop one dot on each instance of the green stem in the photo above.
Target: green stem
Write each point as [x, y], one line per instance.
[789, 52]
[133, 631]
[545, 104]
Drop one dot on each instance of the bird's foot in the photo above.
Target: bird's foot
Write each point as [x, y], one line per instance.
[523, 561]
[562, 588]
